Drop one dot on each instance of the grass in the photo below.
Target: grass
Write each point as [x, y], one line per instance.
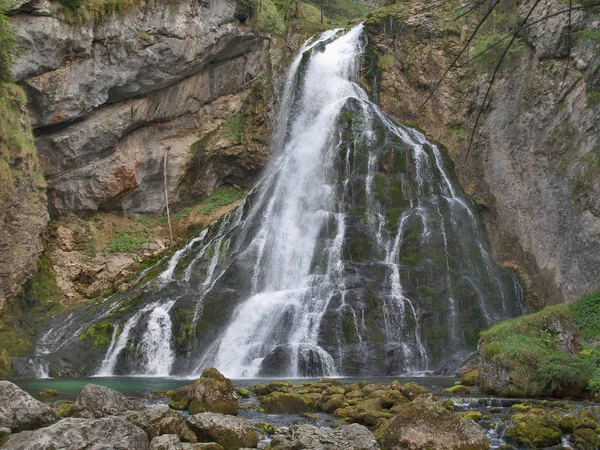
[530, 349]
[127, 242]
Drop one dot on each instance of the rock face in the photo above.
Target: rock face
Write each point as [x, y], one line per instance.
[232, 433]
[308, 437]
[427, 424]
[109, 98]
[98, 401]
[20, 411]
[23, 212]
[533, 164]
[212, 392]
[75, 434]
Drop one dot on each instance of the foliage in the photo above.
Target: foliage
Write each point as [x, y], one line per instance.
[586, 316]
[223, 196]
[592, 98]
[43, 289]
[127, 242]
[100, 334]
[8, 43]
[490, 59]
[564, 373]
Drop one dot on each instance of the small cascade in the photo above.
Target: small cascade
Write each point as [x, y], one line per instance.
[357, 254]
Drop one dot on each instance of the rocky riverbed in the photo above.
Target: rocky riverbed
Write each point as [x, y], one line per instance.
[212, 413]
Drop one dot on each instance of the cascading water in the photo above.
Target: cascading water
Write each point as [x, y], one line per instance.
[356, 254]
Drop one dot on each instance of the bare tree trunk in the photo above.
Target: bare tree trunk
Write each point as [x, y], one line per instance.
[167, 193]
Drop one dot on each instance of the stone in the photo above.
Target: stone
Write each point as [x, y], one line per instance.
[230, 432]
[287, 403]
[335, 402]
[412, 390]
[20, 411]
[391, 398]
[75, 434]
[458, 389]
[99, 401]
[171, 442]
[172, 425]
[212, 392]
[427, 424]
[309, 437]
[4, 435]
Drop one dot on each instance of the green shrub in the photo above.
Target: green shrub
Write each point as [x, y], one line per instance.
[586, 316]
[223, 196]
[565, 374]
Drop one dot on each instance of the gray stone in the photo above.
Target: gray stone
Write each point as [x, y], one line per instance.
[20, 411]
[231, 432]
[309, 437]
[77, 434]
[171, 442]
[98, 401]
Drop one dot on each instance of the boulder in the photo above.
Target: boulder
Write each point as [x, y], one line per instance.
[287, 403]
[98, 401]
[309, 437]
[75, 434]
[171, 442]
[212, 392]
[424, 423]
[172, 425]
[20, 411]
[412, 390]
[230, 432]
[4, 435]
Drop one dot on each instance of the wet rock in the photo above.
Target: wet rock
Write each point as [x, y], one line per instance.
[75, 434]
[287, 403]
[280, 386]
[98, 401]
[212, 392]
[308, 437]
[392, 398]
[458, 389]
[20, 411]
[427, 424]
[232, 433]
[534, 429]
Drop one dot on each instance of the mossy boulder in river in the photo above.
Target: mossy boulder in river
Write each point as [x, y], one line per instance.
[232, 433]
[284, 402]
[212, 392]
[425, 423]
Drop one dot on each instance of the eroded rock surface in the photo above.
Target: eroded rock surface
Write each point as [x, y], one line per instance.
[98, 401]
[232, 433]
[309, 437]
[20, 411]
[76, 434]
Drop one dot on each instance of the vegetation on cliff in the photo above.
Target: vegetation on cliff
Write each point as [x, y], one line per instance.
[555, 351]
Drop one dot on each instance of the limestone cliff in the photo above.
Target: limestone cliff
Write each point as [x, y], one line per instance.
[534, 165]
[109, 97]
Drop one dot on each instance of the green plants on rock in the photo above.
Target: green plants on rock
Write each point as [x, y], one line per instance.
[127, 241]
[99, 334]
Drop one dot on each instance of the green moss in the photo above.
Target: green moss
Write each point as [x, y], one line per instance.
[267, 428]
[8, 43]
[127, 241]
[287, 403]
[592, 98]
[386, 62]
[99, 334]
[380, 183]
[223, 196]
[586, 315]
[5, 364]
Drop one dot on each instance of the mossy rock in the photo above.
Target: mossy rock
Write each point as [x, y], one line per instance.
[276, 386]
[391, 398]
[267, 428]
[335, 401]
[48, 393]
[533, 431]
[412, 390]
[63, 409]
[470, 378]
[5, 364]
[287, 402]
[458, 389]
[586, 439]
[521, 408]
[471, 415]
[242, 392]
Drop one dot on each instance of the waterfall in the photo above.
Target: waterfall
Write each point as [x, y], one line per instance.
[356, 254]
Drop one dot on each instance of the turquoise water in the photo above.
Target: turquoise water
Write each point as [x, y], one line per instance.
[143, 386]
